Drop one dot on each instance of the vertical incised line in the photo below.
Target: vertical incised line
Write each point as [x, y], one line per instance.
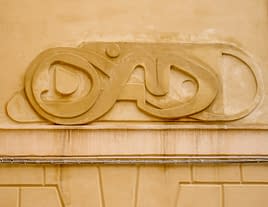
[19, 197]
[222, 195]
[101, 187]
[192, 173]
[137, 187]
[241, 174]
[59, 176]
[59, 184]
[44, 175]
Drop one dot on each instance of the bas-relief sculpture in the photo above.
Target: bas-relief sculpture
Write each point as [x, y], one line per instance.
[154, 82]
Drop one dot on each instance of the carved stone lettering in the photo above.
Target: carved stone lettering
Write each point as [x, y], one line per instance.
[166, 82]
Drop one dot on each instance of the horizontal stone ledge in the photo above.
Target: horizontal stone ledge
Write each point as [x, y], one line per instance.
[133, 142]
[194, 125]
[135, 160]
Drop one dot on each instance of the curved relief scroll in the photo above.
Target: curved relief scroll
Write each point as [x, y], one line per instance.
[80, 85]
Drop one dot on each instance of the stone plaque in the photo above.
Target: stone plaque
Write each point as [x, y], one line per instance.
[178, 84]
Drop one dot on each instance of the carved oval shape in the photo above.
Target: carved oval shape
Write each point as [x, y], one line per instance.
[243, 95]
[237, 78]
[64, 106]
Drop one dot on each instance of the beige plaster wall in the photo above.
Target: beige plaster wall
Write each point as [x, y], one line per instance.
[150, 186]
[27, 27]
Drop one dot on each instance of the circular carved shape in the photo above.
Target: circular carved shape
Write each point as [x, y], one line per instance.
[113, 51]
[66, 106]
[189, 88]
